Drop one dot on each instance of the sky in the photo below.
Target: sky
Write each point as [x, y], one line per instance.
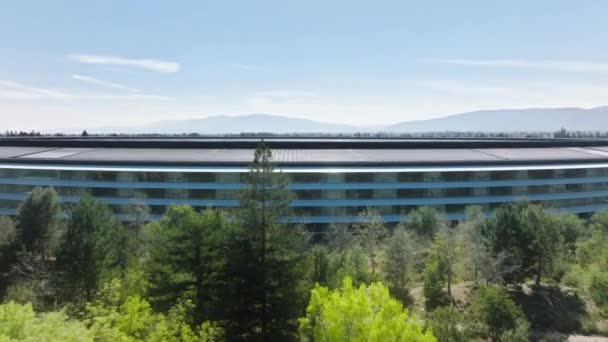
[86, 64]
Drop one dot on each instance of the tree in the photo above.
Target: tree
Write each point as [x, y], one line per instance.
[112, 318]
[546, 238]
[449, 247]
[449, 325]
[183, 259]
[320, 264]
[339, 238]
[352, 263]
[496, 311]
[425, 221]
[8, 237]
[265, 268]
[398, 262]
[509, 234]
[434, 283]
[38, 220]
[94, 248]
[476, 245]
[359, 314]
[370, 233]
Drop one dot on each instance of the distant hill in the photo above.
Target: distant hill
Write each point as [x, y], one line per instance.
[510, 120]
[222, 124]
[502, 120]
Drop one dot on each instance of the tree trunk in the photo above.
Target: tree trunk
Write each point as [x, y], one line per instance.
[263, 263]
[540, 270]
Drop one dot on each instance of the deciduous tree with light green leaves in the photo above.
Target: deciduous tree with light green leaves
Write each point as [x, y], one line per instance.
[367, 313]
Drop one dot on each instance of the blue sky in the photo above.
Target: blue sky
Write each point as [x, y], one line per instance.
[107, 63]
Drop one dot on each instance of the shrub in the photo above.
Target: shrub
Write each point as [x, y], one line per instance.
[359, 314]
[449, 325]
[494, 309]
[598, 290]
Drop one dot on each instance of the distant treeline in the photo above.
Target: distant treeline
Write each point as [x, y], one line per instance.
[562, 133]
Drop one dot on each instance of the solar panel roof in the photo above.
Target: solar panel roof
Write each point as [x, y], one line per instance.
[344, 156]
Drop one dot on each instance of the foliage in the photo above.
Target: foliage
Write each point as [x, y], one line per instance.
[359, 314]
[496, 311]
[425, 221]
[319, 256]
[20, 323]
[434, 283]
[526, 238]
[8, 238]
[38, 221]
[183, 259]
[370, 233]
[352, 263]
[598, 290]
[339, 238]
[449, 248]
[449, 325]
[264, 270]
[398, 262]
[94, 248]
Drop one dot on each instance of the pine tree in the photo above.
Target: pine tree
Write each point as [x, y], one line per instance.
[265, 264]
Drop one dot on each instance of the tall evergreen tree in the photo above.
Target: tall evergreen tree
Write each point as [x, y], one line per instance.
[94, 247]
[264, 270]
[38, 220]
[183, 263]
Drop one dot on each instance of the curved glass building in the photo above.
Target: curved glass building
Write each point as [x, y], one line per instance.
[332, 179]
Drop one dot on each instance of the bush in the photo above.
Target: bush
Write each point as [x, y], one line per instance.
[449, 325]
[598, 290]
[20, 322]
[359, 314]
[574, 277]
[494, 309]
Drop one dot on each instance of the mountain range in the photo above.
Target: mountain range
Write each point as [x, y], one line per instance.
[502, 120]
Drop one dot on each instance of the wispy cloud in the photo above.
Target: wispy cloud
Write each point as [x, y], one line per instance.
[562, 65]
[286, 93]
[18, 91]
[10, 90]
[105, 84]
[247, 67]
[147, 64]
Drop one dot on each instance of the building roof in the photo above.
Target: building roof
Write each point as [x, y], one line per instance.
[301, 151]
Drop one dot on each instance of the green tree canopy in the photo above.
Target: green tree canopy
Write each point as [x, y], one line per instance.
[183, 259]
[38, 220]
[425, 221]
[94, 247]
[359, 314]
[494, 308]
[398, 263]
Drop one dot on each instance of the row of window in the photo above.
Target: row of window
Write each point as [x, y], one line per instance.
[355, 210]
[320, 194]
[369, 177]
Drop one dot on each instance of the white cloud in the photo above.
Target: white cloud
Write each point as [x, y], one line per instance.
[10, 90]
[562, 65]
[95, 81]
[148, 64]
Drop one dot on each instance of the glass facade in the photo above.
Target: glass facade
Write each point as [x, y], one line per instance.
[321, 195]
